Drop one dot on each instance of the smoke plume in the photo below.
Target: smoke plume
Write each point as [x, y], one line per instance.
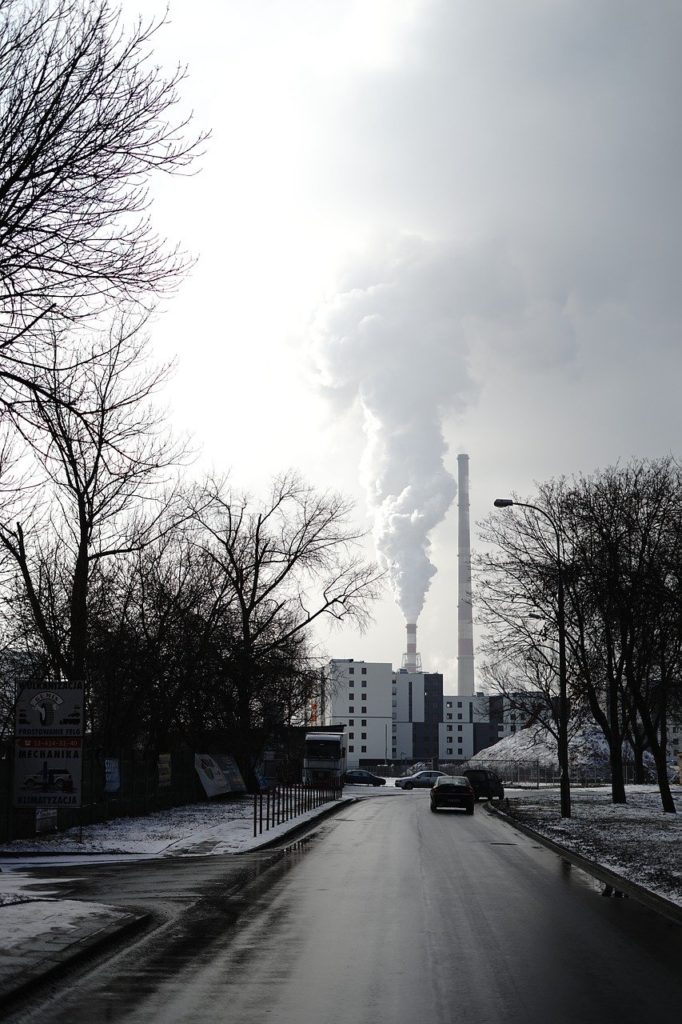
[391, 340]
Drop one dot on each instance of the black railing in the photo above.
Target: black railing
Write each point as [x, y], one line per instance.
[282, 803]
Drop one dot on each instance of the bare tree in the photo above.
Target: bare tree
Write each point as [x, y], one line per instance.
[621, 536]
[87, 119]
[99, 477]
[284, 564]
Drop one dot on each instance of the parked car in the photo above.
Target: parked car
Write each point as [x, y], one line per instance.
[360, 777]
[486, 783]
[420, 780]
[453, 791]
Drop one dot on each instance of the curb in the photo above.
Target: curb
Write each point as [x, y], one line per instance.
[76, 952]
[651, 900]
[85, 948]
[300, 828]
[296, 828]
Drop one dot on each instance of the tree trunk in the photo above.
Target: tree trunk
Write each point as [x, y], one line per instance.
[615, 746]
[662, 776]
[617, 780]
[640, 770]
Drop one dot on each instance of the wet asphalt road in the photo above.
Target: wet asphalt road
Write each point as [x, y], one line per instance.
[388, 914]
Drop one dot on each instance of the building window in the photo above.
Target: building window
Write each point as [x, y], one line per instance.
[363, 750]
[351, 696]
[459, 750]
[363, 735]
[459, 728]
[363, 722]
[449, 750]
[351, 721]
[459, 703]
[448, 704]
[351, 735]
[363, 711]
[351, 710]
[351, 671]
[364, 671]
[459, 716]
[364, 682]
[449, 728]
[449, 714]
[351, 749]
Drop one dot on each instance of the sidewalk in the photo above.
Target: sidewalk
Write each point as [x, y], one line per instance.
[39, 937]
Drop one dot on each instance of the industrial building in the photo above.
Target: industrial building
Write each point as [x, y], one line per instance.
[397, 715]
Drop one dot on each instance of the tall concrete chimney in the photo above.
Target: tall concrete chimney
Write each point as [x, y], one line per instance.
[465, 617]
[411, 660]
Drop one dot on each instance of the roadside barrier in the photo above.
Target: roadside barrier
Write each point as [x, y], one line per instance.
[282, 803]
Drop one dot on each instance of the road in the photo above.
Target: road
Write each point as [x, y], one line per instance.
[387, 914]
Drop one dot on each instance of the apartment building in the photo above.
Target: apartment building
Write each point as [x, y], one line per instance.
[396, 715]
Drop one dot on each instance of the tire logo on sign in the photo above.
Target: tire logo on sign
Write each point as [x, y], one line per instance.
[45, 704]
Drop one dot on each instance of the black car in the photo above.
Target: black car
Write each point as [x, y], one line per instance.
[486, 783]
[420, 780]
[453, 791]
[360, 777]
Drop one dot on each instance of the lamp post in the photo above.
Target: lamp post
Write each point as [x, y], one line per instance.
[564, 780]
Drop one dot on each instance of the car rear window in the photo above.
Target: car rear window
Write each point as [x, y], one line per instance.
[453, 780]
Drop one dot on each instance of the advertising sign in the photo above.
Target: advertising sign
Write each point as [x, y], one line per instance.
[211, 775]
[112, 775]
[233, 776]
[50, 711]
[48, 746]
[47, 772]
[164, 770]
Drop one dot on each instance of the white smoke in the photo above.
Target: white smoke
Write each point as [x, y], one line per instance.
[392, 340]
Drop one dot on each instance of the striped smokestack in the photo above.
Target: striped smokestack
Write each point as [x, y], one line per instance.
[412, 660]
[465, 618]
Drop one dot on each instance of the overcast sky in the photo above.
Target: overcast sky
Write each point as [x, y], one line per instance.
[426, 227]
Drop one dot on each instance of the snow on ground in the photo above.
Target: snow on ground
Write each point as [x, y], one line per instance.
[38, 919]
[636, 840]
[535, 745]
[212, 827]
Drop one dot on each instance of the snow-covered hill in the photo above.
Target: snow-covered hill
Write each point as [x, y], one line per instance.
[588, 749]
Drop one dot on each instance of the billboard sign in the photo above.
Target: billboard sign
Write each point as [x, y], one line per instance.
[47, 772]
[233, 776]
[219, 774]
[48, 711]
[112, 774]
[164, 766]
[211, 775]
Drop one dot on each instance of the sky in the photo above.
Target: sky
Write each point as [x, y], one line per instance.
[425, 227]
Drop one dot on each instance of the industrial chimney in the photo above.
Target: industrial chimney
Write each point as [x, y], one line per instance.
[465, 618]
[412, 661]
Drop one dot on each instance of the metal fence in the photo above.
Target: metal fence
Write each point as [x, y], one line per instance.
[534, 774]
[282, 803]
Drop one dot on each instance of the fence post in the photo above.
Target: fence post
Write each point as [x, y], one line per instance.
[255, 819]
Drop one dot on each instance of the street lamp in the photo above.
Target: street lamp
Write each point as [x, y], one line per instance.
[564, 780]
